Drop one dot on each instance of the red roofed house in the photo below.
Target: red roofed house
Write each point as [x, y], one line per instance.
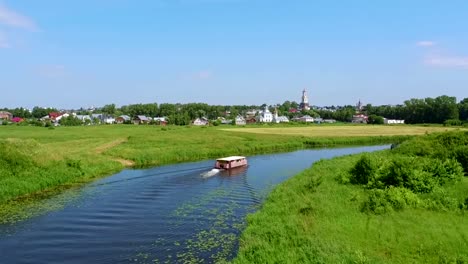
[5, 115]
[17, 119]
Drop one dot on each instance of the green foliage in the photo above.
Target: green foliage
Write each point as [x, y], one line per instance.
[453, 122]
[364, 170]
[382, 201]
[70, 121]
[375, 120]
[461, 154]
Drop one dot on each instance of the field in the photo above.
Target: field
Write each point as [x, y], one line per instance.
[320, 216]
[343, 130]
[36, 161]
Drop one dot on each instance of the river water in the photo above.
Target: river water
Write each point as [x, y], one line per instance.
[169, 214]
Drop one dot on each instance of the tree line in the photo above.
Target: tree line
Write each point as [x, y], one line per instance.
[413, 111]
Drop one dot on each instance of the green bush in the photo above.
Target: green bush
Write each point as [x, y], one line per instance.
[382, 201]
[461, 154]
[407, 172]
[453, 122]
[444, 171]
[364, 170]
[376, 120]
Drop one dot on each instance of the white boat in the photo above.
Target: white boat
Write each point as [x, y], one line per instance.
[232, 162]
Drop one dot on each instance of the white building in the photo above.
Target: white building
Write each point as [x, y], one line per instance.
[240, 120]
[306, 119]
[264, 116]
[393, 121]
[200, 122]
[279, 119]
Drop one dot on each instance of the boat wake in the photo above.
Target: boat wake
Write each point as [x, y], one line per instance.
[210, 173]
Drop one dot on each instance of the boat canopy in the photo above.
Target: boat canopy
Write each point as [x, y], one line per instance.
[232, 158]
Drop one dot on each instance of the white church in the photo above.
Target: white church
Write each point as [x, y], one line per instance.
[265, 116]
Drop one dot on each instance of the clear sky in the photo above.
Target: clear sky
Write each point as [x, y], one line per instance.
[77, 53]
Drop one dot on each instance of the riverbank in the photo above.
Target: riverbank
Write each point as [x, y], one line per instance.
[36, 162]
[344, 211]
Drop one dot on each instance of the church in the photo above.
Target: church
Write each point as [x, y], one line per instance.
[304, 102]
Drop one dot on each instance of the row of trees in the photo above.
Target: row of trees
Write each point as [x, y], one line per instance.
[428, 110]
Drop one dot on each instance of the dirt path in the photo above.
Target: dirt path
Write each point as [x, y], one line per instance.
[101, 149]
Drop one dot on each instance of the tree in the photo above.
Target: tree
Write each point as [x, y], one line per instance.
[109, 109]
[375, 119]
[463, 109]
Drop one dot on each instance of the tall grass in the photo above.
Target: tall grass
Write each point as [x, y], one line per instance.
[318, 217]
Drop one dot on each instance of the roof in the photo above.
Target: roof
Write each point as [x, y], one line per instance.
[142, 118]
[231, 158]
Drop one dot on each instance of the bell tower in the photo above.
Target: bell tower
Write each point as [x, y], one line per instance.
[304, 101]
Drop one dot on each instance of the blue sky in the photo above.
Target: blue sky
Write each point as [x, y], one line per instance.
[70, 54]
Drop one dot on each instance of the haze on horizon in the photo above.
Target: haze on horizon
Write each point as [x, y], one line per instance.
[72, 54]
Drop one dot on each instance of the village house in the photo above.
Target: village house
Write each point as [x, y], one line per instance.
[17, 120]
[251, 120]
[160, 121]
[55, 117]
[122, 119]
[5, 115]
[279, 119]
[141, 119]
[109, 120]
[330, 121]
[360, 119]
[305, 119]
[84, 118]
[240, 121]
[200, 122]
[393, 121]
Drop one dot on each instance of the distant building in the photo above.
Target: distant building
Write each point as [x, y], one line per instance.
[265, 116]
[360, 119]
[306, 119]
[251, 120]
[122, 119]
[393, 121]
[160, 121]
[17, 120]
[200, 122]
[5, 115]
[140, 119]
[279, 119]
[330, 121]
[240, 121]
[304, 101]
[359, 107]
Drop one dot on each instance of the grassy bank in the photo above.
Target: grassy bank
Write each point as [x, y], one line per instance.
[407, 205]
[37, 161]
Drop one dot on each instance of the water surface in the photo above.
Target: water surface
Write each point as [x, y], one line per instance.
[166, 214]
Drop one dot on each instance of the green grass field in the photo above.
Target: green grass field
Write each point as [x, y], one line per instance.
[315, 217]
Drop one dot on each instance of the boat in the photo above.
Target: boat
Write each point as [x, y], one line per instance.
[232, 162]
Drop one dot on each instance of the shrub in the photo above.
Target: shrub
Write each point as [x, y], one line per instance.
[407, 172]
[363, 171]
[444, 171]
[391, 199]
[376, 120]
[453, 122]
[461, 154]
[439, 200]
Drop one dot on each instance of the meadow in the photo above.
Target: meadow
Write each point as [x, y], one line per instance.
[36, 161]
[405, 205]
[338, 130]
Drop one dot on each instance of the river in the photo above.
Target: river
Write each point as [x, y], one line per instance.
[169, 214]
